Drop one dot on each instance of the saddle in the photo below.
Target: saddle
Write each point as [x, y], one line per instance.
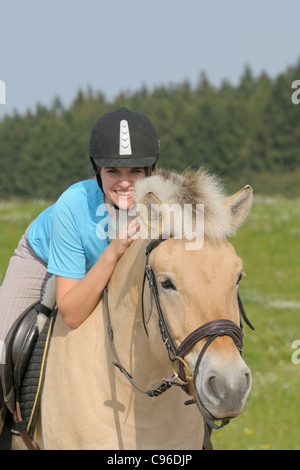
[22, 373]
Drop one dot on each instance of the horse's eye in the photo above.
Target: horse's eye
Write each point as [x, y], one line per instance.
[241, 275]
[167, 284]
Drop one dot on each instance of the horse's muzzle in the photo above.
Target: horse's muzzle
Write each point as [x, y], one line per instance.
[222, 391]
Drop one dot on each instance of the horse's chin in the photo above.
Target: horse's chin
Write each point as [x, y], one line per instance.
[208, 416]
[204, 412]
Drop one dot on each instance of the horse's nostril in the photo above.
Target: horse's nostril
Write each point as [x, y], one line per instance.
[213, 386]
[248, 379]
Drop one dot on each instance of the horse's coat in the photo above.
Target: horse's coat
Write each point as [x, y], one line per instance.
[87, 403]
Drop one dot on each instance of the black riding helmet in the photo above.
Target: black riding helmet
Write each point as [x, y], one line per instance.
[123, 138]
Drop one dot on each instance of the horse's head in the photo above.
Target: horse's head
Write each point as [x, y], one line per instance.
[196, 283]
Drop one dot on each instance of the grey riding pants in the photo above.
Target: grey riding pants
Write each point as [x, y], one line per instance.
[23, 285]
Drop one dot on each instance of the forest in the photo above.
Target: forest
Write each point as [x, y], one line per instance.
[248, 133]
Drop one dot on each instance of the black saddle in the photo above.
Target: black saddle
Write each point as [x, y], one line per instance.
[19, 344]
[20, 371]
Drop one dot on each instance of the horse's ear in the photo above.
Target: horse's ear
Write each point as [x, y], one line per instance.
[240, 204]
[150, 198]
[149, 215]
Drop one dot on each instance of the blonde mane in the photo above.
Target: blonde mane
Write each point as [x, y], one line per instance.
[190, 188]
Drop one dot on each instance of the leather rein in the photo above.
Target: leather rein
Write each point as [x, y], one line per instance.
[210, 330]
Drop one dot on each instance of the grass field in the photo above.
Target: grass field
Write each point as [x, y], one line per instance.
[269, 243]
[15, 216]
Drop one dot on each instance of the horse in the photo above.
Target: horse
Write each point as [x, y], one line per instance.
[161, 354]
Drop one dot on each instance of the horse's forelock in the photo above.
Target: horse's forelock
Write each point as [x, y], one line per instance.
[189, 188]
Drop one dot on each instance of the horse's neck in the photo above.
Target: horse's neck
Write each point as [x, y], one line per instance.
[144, 415]
[125, 284]
[125, 306]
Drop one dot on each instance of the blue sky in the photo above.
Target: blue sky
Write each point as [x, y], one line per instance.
[54, 48]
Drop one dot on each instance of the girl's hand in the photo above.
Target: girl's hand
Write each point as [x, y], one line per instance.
[127, 234]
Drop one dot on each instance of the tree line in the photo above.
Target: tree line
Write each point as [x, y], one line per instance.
[249, 133]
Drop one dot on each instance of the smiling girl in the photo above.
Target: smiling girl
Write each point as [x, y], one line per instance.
[64, 239]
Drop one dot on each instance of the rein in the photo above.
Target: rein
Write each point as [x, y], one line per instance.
[166, 384]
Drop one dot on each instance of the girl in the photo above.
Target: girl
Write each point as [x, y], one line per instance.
[69, 239]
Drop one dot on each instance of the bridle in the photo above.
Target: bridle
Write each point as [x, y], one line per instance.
[210, 331]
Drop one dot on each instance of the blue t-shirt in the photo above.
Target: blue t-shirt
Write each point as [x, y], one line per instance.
[70, 235]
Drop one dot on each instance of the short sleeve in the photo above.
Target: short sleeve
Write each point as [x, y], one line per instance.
[66, 252]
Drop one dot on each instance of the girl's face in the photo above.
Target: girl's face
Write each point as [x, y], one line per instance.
[118, 185]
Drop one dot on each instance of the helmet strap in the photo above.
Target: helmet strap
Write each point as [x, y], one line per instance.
[99, 181]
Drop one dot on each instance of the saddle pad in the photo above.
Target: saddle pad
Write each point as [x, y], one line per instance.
[32, 385]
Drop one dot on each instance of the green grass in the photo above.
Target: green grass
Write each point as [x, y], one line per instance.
[15, 216]
[269, 243]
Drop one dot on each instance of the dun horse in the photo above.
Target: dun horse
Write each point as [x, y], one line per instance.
[163, 336]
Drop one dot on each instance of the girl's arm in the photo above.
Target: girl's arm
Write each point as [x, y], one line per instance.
[77, 298]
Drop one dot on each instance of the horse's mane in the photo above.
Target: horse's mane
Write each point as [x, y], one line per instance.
[191, 187]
